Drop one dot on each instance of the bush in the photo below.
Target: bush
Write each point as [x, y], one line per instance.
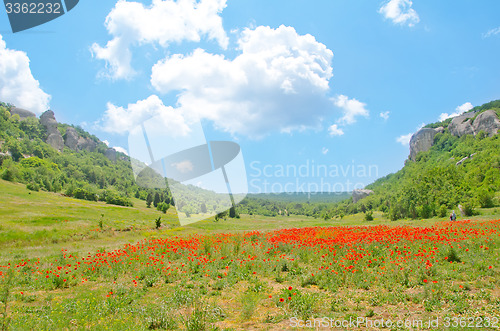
[114, 199]
[443, 211]
[163, 207]
[84, 194]
[158, 222]
[485, 198]
[9, 174]
[424, 211]
[469, 209]
[369, 215]
[32, 186]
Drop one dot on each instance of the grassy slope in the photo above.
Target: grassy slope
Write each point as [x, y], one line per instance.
[42, 223]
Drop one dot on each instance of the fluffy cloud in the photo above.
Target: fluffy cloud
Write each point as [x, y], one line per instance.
[120, 149]
[334, 130]
[17, 84]
[492, 32]
[385, 115]
[400, 12]
[278, 82]
[121, 120]
[404, 139]
[351, 108]
[459, 110]
[165, 21]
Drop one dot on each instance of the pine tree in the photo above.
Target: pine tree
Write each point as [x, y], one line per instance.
[149, 199]
[156, 200]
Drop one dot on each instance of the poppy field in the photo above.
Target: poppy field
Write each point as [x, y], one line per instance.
[262, 279]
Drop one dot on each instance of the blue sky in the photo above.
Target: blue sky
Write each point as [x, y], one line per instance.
[336, 84]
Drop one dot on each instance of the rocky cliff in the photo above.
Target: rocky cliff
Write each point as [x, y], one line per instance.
[22, 113]
[54, 137]
[360, 194]
[75, 142]
[422, 141]
[468, 123]
[71, 138]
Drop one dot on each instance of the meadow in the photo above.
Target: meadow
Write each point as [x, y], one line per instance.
[71, 264]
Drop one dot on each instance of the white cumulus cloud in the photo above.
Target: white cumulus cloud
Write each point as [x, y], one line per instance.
[385, 115]
[278, 82]
[400, 12]
[17, 84]
[334, 130]
[351, 108]
[120, 149]
[163, 22]
[404, 139]
[459, 110]
[121, 120]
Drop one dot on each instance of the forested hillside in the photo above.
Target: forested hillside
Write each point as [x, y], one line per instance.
[25, 157]
[454, 171]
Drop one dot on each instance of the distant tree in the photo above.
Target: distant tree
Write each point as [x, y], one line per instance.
[163, 207]
[203, 208]
[232, 212]
[156, 200]
[149, 200]
[369, 216]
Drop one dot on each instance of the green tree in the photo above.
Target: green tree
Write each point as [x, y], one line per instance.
[156, 200]
[149, 200]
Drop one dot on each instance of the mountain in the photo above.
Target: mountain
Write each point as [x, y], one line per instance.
[453, 164]
[56, 157]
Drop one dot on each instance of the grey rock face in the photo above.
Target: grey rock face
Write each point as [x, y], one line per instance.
[461, 125]
[422, 141]
[48, 120]
[77, 143]
[110, 153]
[23, 113]
[71, 138]
[488, 122]
[56, 141]
[360, 194]
[54, 137]
[86, 144]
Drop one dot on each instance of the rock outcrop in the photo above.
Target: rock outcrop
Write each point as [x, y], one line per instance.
[23, 113]
[71, 138]
[110, 153]
[360, 194]
[461, 125]
[77, 143]
[488, 122]
[422, 141]
[54, 137]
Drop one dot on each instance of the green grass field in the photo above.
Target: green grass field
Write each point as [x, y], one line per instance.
[60, 270]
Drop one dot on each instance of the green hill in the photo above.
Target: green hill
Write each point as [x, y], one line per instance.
[455, 171]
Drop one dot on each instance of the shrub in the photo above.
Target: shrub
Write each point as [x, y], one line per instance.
[115, 199]
[469, 209]
[163, 207]
[443, 211]
[424, 211]
[158, 222]
[369, 215]
[485, 198]
[32, 186]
